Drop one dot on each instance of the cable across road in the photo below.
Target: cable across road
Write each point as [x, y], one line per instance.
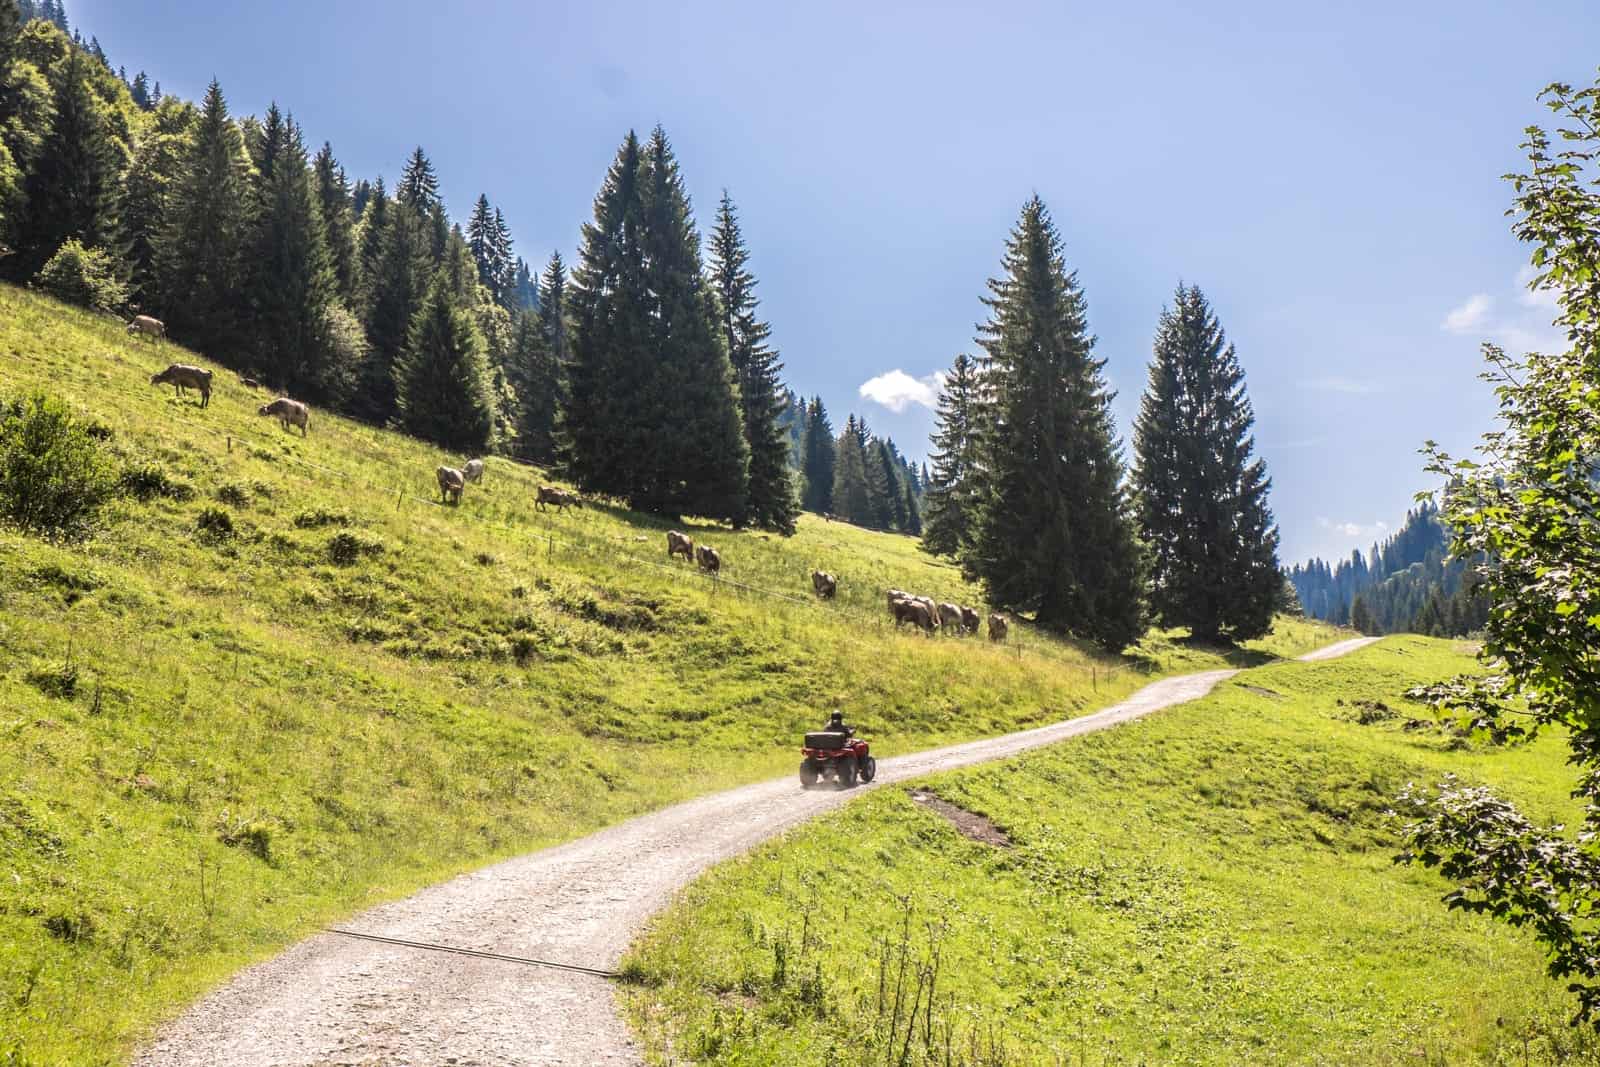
[478, 953]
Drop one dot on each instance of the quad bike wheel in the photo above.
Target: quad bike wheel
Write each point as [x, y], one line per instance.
[808, 774]
[869, 768]
[847, 772]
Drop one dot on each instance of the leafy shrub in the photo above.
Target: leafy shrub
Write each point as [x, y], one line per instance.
[236, 494]
[146, 480]
[59, 680]
[319, 517]
[214, 524]
[88, 277]
[345, 548]
[54, 478]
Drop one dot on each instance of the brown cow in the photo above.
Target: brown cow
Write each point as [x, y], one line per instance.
[997, 626]
[970, 620]
[181, 375]
[549, 494]
[144, 325]
[679, 545]
[289, 413]
[710, 560]
[950, 615]
[451, 483]
[892, 595]
[824, 584]
[914, 612]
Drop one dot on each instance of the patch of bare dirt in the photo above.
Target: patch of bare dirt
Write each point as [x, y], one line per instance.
[972, 825]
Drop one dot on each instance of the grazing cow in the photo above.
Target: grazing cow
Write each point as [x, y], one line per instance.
[289, 413]
[549, 494]
[679, 545]
[249, 383]
[710, 559]
[825, 584]
[890, 596]
[451, 483]
[950, 615]
[473, 471]
[970, 620]
[916, 613]
[997, 626]
[146, 326]
[181, 375]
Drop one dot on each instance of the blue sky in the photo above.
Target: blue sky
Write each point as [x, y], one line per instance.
[1328, 174]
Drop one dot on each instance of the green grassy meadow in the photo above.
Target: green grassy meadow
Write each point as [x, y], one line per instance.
[1210, 885]
[218, 734]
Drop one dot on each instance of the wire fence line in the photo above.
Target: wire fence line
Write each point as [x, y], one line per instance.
[607, 546]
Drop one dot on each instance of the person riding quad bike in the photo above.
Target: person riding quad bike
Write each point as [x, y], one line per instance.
[835, 752]
[836, 724]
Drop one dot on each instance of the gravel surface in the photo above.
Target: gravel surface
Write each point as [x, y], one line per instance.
[338, 1000]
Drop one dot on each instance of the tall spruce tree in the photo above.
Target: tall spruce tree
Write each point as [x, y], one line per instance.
[419, 185]
[396, 289]
[771, 500]
[696, 462]
[1052, 534]
[200, 256]
[1202, 496]
[653, 416]
[442, 392]
[147, 192]
[888, 499]
[338, 220]
[610, 368]
[818, 452]
[537, 379]
[291, 285]
[73, 185]
[482, 239]
[852, 490]
[947, 524]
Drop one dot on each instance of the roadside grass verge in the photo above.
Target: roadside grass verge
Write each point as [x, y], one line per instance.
[279, 683]
[1210, 885]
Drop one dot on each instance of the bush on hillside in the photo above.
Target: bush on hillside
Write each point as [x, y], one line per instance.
[146, 480]
[54, 479]
[88, 277]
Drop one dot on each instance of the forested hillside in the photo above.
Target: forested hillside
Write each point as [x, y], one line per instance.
[1408, 584]
[368, 298]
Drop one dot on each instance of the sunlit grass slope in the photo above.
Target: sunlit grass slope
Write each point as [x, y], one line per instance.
[1211, 885]
[211, 742]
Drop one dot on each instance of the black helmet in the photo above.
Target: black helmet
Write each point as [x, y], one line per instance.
[837, 718]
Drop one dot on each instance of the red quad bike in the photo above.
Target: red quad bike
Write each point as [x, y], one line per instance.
[831, 753]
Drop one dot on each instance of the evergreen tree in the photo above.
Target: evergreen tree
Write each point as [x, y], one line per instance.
[481, 239]
[1052, 535]
[608, 375]
[505, 261]
[653, 415]
[524, 287]
[397, 285]
[140, 91]
[360, 193]
[537, 378]
[72, 187]
[947, 524]
[147, 192]
[441, 381]
[913, 513]
[1361, 618]
[291, 286]
[888, 500]
[697, 462]
[419, 185]
[770, 502]
[200, 255]
[338, 220]
[818, 451]
[852, 493]
[1202, 496]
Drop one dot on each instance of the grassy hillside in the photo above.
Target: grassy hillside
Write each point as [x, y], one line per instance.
[1212, 885]
[217, 735]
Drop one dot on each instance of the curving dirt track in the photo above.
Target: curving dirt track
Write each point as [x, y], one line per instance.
[336, 1000]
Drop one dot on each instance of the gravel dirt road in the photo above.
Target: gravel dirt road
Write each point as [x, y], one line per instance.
[337, 1000]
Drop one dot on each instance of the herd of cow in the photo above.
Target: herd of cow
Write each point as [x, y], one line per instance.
[921, 611]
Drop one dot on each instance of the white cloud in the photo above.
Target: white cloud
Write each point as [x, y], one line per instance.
[1354, 529]
[898, 390]
[1469, 316]
[1338, 384]
[1534, 298]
